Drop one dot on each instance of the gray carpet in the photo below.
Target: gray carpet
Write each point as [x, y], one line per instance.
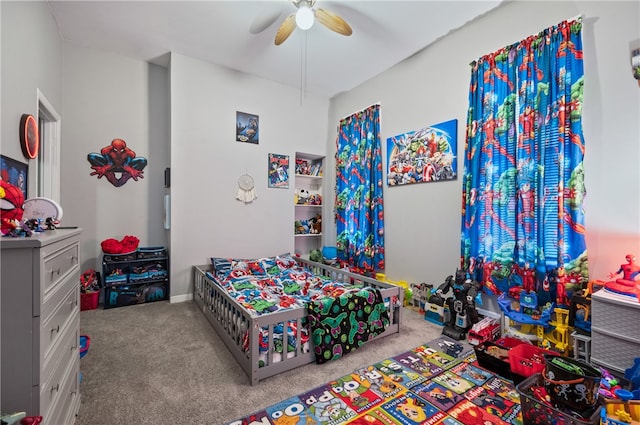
[162, 363]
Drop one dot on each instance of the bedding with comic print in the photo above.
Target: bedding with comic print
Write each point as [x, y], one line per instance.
[279, 283]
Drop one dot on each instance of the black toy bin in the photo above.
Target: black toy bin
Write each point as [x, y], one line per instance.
[571, 383]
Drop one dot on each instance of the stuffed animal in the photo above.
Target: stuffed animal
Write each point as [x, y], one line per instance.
[315, 255]
[315, 224]
[302, 196]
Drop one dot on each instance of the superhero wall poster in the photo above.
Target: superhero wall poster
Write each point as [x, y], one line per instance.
[247, 128]
[117, 163]
[425, 155]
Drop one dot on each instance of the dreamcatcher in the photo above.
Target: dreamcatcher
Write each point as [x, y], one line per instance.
[246, 189]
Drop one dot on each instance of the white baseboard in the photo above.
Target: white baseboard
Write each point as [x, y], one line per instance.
[181, 298]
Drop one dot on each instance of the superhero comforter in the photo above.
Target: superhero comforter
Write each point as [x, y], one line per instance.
[268, 289]
[289, 288]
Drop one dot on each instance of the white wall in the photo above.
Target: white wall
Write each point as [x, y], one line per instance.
[108, 96]
[422, 221]
[31, 57]
[206, 162]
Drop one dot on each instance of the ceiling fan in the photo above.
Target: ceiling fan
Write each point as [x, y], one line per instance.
[304, 18]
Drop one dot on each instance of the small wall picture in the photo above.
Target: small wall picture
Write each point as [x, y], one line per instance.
[278, 171]
[247, 128]
[15, 173]
[425, 155]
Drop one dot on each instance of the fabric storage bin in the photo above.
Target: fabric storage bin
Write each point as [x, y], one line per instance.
[537, 412]
[130, 294]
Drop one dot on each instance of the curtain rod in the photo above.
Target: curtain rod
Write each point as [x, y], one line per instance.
[353, 113]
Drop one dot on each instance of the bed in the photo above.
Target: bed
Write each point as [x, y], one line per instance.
[271, 342]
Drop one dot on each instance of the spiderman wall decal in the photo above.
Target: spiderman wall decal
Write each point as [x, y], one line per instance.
[117, 163]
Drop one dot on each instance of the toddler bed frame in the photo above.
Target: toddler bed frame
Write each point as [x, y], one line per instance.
[234, 324]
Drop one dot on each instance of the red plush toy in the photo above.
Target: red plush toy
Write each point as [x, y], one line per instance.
[12, 201]
[127, 244]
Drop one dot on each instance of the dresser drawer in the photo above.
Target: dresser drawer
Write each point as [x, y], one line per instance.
[616, 314]
[611, 351]
[66, 352]
[59, 294]
[65, 405]
[54, 327]
[59, 260]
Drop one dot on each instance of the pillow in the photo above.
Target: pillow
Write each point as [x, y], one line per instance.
[221, 265]
[253, 267]
[285, 261]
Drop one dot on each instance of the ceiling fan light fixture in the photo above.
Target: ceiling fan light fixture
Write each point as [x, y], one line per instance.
[304, 17]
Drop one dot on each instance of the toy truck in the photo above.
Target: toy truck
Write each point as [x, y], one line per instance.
[487, 329]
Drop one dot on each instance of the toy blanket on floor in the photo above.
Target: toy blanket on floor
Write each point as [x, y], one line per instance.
[341, 325]
[423, 386]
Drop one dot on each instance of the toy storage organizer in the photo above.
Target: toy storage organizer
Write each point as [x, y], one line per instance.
[138, 277]
[615, 334]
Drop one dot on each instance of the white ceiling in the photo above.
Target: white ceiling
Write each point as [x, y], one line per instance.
[240, 35]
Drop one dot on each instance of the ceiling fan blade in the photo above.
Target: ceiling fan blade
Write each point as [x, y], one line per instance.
[333, 22]
[286, 29]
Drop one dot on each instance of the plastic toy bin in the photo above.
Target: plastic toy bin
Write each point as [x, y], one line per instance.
[89, 300]
[536, 412]
[494, 358]
[527, 359]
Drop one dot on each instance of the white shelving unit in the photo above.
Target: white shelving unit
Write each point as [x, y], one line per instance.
[308, 178]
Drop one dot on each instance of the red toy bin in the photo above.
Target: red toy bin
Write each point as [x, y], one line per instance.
[89, 300]
[527, 359]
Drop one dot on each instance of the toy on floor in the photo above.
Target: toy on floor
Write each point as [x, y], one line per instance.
[436, 310]
[487, 329]
[462, 306]
[19, 418]
[420, 294]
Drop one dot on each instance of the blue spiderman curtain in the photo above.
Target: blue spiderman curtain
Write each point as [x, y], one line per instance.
[358, 203]
[523, 187]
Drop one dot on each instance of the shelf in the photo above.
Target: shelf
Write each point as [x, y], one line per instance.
[138, 277]
[307, 176]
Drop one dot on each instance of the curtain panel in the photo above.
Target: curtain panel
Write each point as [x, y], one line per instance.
[359, 207]
[523, 181]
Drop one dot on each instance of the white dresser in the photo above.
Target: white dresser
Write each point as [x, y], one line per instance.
[40, 325]
[615, 334]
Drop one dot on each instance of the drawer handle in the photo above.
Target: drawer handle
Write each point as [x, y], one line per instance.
[56, 329]
[55, 271]
[74, 259]
[56, 388]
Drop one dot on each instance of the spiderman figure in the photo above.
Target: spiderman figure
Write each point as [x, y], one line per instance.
[11, 205]
[117, 163]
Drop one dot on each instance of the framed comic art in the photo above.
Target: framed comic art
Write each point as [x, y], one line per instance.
[15, 173]
[425, 155]
[247, 128]
[278, 171]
